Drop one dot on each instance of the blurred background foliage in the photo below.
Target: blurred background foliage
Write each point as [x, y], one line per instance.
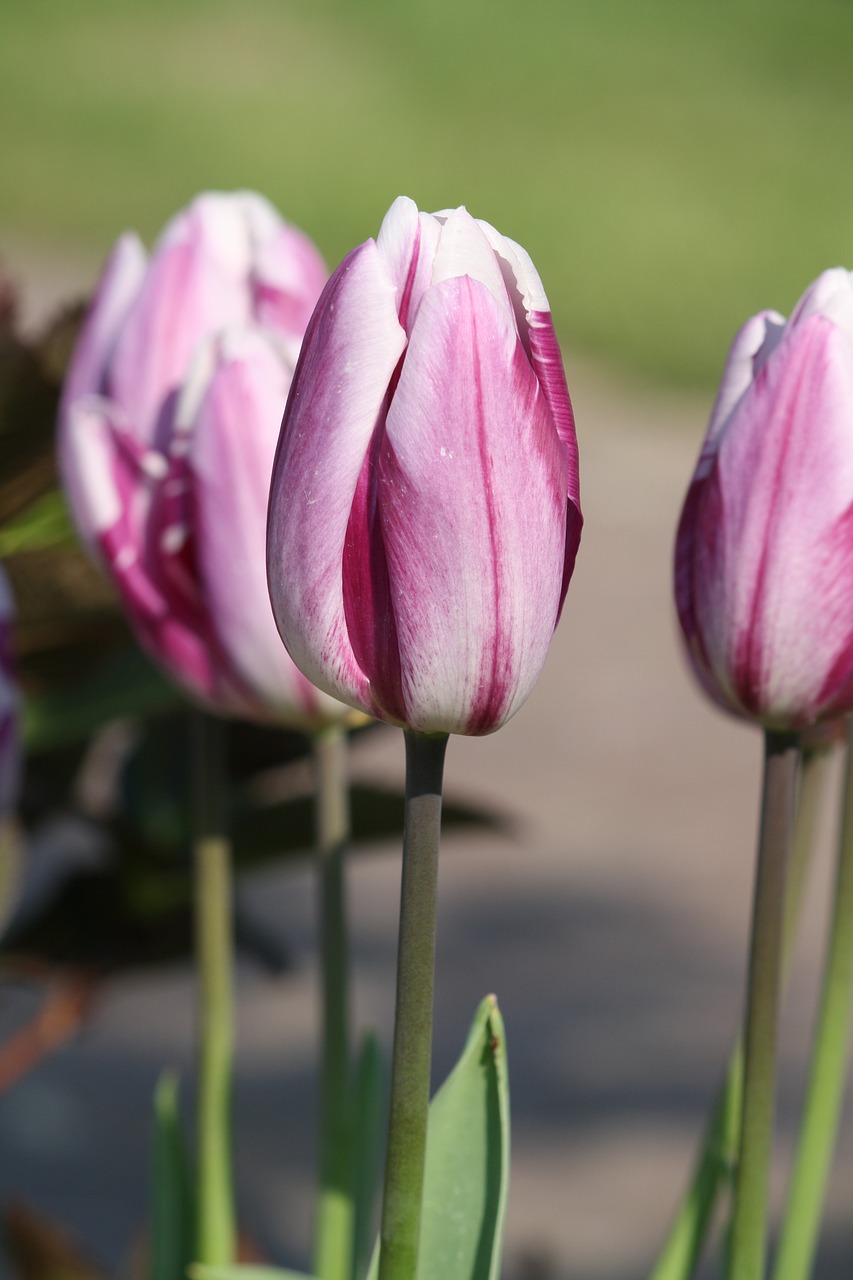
[671, 165]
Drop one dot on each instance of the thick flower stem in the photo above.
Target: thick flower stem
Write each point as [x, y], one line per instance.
[828, 1068]
[334, 1228]
[214, 945]
[410, 1070]
[718, 1155]
[749, 1225]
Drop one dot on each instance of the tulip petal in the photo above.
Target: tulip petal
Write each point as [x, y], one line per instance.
[473, 507]
[408, 241]
[547, 362]
[106, 474]
[197, 281]
[752, 346]
[774, 532]
[232, 445]
[288, 273]
[523, 285]
[831, 296]
[119, 284]
[114, 484]
[336, 402]
[536, 329]
[464, 250]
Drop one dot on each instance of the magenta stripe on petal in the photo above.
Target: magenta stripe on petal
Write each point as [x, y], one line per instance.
[335, 404]
[769, 534]
[408, 241]
[367, 595]
[547, 363]
[472, 497]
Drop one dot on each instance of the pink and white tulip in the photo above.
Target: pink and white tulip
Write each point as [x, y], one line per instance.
[168, 425]
[10, 705]
[764, 554]
[424, 511]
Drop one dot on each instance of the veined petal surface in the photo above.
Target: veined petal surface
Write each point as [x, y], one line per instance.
[232, 446]
[189, 288]
[130, 418]
[766, 578]
[472, 501]
[336, 404]
[424, 516]
[408, 241]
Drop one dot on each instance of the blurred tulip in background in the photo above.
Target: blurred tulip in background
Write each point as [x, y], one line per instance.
[168, 424]
[764, 554]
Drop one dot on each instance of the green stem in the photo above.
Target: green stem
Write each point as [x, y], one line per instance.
[718, 1154]
[410, 1068]
[825, 1091]
[749, 1224]
[683, 1246]
[334, 1228]
[814, 771]
[214, 946]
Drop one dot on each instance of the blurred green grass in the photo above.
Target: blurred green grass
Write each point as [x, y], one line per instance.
[671, 165]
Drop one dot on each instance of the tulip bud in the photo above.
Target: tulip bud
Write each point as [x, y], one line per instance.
[764, 553]
[168, 423]
[424, 511]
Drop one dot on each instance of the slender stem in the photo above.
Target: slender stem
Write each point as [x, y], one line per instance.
[214, 946]
[814, 772]
[718, 1153]
[825, 1091]
[410, 1068]
[683, 1245]
[749, 1230]
[334, 1228]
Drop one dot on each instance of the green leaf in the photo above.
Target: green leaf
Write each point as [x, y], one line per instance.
[368, 1140]
[172, 1225]
[237, 1272]
[467, 1161]
[714, 1170]
[44, 523]
[126, 685]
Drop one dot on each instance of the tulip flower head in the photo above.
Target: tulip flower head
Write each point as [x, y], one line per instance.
[424, 511]
[167, 431]
[764, 553]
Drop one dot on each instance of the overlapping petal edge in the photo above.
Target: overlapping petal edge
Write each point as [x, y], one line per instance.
[343, 593]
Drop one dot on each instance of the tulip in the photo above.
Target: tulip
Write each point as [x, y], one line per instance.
[10, 747]
[424, 511]
[764, 553]
[168, 424]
